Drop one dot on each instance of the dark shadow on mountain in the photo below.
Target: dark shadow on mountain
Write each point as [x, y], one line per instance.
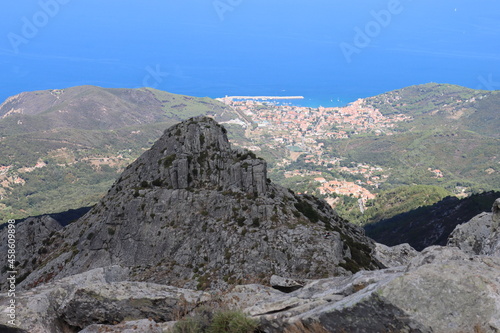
[7, 329]
[430, 225]
[63, 218]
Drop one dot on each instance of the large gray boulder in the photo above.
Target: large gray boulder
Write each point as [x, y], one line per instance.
[481, 235]
[496, 213]
[120, 301]
[442, 290]
[134, 326]
[98, 297]
[37, 310]
[394, 256]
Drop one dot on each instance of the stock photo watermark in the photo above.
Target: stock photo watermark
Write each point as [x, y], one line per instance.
[12, 273]
[154, 77]
[488, 83]
[222, 7]
[363, 37]
[31, 26]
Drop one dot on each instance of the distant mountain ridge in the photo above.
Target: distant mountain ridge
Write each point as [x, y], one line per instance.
[454, 129]
[444, 105]
[61, 149]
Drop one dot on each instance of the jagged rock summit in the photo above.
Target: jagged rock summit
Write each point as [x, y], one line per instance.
[192, 212]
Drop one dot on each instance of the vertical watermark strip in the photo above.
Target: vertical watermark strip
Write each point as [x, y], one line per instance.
[12, 273]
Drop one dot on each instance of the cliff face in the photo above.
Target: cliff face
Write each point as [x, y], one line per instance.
[192, 212]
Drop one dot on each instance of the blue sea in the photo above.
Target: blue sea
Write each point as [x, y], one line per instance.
[330, 52]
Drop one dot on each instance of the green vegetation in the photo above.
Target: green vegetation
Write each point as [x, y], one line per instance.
[464, 158]
[423, 99]
[204, 321]
[169, 160]
[307, 210]
[58, 189]
[184, 107]
[403, 199]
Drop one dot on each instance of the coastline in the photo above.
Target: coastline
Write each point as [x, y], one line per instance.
[299, 101]
[263, 97]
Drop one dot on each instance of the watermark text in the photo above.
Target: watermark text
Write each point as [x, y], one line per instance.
[31, 26]
[154, 77]
[11, 273]
[222, 7]
[363, 37]
[488, 83]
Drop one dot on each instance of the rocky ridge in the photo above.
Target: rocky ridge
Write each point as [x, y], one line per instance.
[191, 212]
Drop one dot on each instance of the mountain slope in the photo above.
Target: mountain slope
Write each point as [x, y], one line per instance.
[62, 149]
[192, 212]
[453, 130]
[443, 106]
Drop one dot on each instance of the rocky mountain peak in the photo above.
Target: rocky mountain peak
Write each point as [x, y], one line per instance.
[197, 154]
[192, 212]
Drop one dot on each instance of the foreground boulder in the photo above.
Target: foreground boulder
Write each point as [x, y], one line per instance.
[99, 297]
[481, 235]
[394, 256]
[135, 326]
[442, 290]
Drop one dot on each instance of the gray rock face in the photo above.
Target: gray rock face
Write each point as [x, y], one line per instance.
[98, 297]
[286, 284]
[137, 326]
[481, 235]
[9, 329]
[442, 290]
[496, 214]
[464, 289]
[33, 236]
[394, 256]
[37, 309]
[191, 212]
[118, 301]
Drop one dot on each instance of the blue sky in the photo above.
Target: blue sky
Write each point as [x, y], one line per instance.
[321, 48]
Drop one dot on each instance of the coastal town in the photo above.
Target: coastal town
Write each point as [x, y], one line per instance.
[301, 129]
